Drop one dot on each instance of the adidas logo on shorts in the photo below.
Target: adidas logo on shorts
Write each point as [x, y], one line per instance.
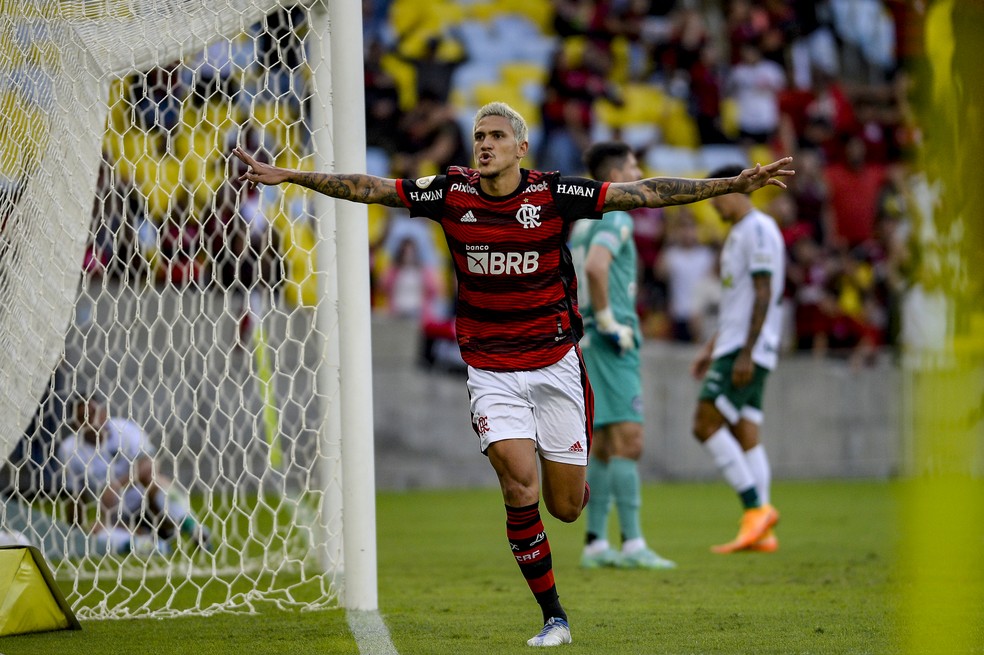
[576, 448]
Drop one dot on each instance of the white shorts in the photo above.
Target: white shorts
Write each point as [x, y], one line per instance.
[549, 405]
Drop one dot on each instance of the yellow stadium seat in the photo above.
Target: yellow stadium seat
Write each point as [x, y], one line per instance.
[298, 243]
[729, 117]
[404, 76]
[517, 74]
[641, 104]
[679, 127]
[621, 60]
[541, 12]
[574, 47]
[168, 188]
[511, 95]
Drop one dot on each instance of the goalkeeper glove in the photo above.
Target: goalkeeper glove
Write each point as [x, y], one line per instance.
[622, 336]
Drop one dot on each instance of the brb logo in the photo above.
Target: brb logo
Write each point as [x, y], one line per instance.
[485, 262]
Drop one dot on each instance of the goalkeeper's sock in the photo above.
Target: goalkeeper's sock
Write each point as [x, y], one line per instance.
[528, 541]
[628, 497]
[600, 499]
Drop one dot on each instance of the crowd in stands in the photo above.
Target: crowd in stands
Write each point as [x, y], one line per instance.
[689, 84]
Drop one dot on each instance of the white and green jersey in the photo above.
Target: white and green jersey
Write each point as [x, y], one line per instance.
[614, 232]
[754, 245]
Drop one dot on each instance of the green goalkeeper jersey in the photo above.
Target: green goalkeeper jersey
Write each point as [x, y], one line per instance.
[614, 232]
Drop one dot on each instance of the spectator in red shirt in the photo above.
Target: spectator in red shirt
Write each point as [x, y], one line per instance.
[854, 187]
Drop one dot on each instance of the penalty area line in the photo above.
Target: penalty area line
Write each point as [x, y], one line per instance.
[371, 634]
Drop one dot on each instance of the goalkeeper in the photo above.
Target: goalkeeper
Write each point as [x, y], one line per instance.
[517, 322]
[605, 255]
[110, 461]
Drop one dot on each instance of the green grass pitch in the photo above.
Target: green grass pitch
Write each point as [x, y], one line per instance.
[448, 585]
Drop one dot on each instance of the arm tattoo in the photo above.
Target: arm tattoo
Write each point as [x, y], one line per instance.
[663, 191]
[367, 189]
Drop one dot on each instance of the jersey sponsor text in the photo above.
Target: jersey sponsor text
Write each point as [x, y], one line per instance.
[576, 190]
[502, 263]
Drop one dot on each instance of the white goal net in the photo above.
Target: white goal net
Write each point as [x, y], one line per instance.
[154, 309]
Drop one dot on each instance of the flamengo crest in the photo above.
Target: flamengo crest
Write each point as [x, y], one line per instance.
[528, 215]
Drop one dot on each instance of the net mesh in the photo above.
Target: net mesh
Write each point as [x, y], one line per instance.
[136, 272]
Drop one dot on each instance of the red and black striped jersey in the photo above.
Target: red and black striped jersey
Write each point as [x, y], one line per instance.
[517, 292]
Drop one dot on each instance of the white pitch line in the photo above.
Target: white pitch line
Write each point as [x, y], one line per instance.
[371, 634]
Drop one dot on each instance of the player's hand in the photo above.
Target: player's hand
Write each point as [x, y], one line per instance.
[743, 370]
[622, 336]
[258, 172]
[702, 362]
[759, 176]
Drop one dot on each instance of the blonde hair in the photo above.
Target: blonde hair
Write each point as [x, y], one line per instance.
[515, 119]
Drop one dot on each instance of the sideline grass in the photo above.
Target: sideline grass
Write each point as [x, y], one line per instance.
[829, 589]
[448, 585]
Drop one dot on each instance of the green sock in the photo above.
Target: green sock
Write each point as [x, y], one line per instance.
[601, 498]
[627, 493]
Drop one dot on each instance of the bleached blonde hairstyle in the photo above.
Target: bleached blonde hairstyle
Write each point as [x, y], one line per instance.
[514, 117]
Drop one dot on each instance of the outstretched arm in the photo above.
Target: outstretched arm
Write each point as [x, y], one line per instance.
[663, 191]
[367, 189]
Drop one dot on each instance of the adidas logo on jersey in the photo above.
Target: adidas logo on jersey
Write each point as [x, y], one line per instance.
[469, 217]
[576, 448]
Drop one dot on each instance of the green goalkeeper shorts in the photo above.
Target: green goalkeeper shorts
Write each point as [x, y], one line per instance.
[615, 380]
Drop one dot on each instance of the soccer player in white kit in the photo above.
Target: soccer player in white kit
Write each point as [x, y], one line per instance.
[110, 461]
[736, 361]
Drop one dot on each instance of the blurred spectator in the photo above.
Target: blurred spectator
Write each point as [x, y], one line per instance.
[583, 18]
[180, 256]
[280, 51]
[684, 264]
[747, 24]
[813, 45]
[648, 234]
[434, 68]
[854, 329]
[430, 140]
[683, 51]
[814, 304]
[809, 191]
[755, 83]
[375, 25]
[411, 288]
[816, 118]
[706, 86]
[854, 186]
[576, 81]
[244, 255]
[114, 249]
[157, 97]
[383, 113]
[707, 301]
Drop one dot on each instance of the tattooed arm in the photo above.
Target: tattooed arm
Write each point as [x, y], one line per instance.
[367, 189]
[663, 191]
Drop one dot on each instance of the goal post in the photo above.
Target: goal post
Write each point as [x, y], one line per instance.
[133, 266]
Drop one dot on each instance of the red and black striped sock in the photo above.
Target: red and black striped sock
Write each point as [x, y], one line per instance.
[530, 547]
